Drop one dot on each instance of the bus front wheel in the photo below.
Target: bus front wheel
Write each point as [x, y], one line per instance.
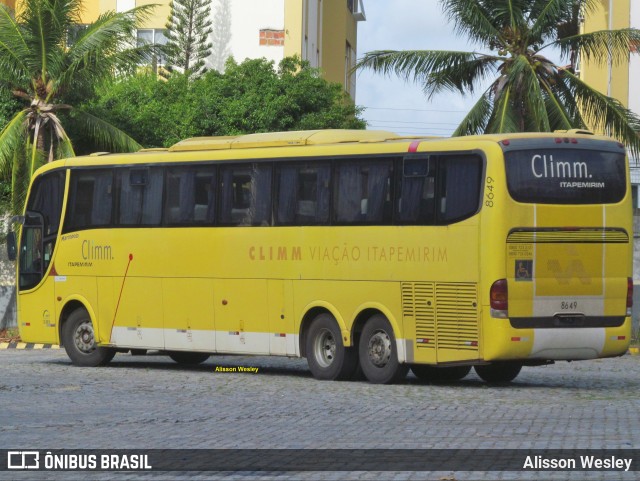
[379, 352]
[78, 338]
[327, 356]
[498, 372]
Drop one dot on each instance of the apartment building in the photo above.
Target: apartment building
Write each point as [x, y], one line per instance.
[617, 81]
[324, 32]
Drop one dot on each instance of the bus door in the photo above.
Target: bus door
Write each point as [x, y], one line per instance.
[37, 317]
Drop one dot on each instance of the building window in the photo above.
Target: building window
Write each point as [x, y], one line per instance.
[349, 74]
[356, 8]
[154, 37]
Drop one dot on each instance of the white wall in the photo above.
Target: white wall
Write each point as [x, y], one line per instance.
[124, 5]
[248, 17]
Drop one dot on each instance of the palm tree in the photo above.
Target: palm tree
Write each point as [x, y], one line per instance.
[530, 92]
[49, 61]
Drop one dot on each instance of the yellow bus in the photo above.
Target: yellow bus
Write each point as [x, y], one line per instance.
[363, 251]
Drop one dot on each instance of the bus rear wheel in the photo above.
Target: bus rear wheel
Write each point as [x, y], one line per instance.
[379, 352]
[78, 338]
[189, 358]
[440, 374]
[498, 372]
[327, 356]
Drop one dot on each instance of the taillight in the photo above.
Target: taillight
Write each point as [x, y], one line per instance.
[629, 295]
[499, 296]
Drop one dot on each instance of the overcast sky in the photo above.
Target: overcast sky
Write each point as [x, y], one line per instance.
[392, 104]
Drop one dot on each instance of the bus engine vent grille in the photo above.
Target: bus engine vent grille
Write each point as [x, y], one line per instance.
[457, 316]
[418, 307]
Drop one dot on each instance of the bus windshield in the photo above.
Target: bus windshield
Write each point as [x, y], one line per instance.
[565, 176]
[41, 227]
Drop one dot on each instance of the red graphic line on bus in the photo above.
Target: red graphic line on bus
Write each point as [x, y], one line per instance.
[413, 147]
[120, 295]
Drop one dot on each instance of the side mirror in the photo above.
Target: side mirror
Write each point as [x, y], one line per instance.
[12, 246]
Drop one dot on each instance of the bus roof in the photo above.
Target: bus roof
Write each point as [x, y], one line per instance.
[308, 138]
[283, 139]
[338, 136]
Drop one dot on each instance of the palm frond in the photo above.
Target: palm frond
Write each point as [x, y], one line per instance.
[565, 95]
[13, 49]
[472, 18]
[504, 119]
[536, 111]
[602, 46]
[606, 114]
[424, 66]
[546, 15]
[460, 76]
[19, 178]
[12, 136]
[64, 149]
[98, 50]
[476, 120]
[104, 134]
[555, 106]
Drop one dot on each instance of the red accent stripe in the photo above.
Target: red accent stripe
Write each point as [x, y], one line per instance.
[413, 147]
[120, 296]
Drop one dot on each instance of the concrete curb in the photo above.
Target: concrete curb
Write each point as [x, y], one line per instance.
[27, 345]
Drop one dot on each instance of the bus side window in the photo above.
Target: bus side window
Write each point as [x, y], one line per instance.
[363, 191]
[459, 187]
[246, 195]
[141, 196]
[416, 190]
[90, 199]
[303, 194]
[190, 196]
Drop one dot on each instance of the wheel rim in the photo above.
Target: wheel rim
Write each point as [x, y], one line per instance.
[84, 338]
[324, 348]
[380, 348]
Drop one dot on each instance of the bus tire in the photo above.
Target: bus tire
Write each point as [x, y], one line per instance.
[379, 352]
[327, 357]
[440, 374]
[189, 358]
[498, 372]
[79, 341]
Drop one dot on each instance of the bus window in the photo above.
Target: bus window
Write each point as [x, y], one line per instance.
[303, 194]
[190, 195]
[416, 191]
[140, 196]
[245, 195]
[46, 199]
[90, 199]
[40, 229]
[363, 192]
[566, 176]
[460, 181]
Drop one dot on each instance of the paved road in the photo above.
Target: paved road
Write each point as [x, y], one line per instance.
[150, 402]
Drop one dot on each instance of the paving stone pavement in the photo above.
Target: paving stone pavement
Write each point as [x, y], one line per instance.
[150, 402]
